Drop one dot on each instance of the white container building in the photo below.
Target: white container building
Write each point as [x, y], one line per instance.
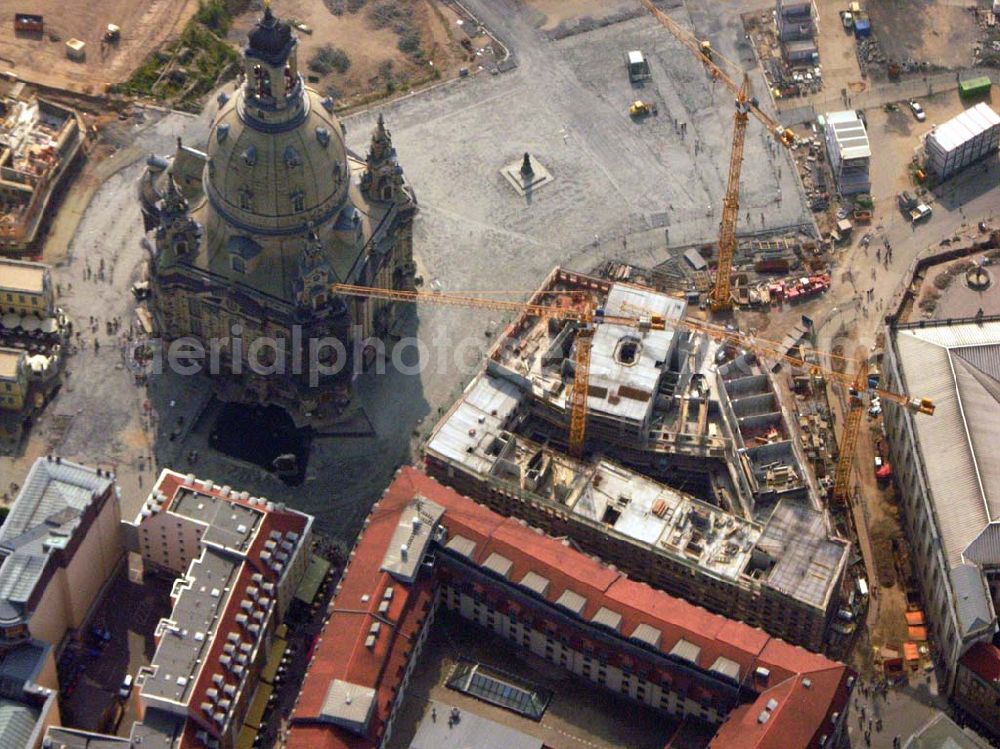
[962, 140]
[849, 151]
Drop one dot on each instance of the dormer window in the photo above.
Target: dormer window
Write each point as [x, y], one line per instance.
[237, 264]
[292, 157]
[246, 200]
[298, 202]
[250, 155]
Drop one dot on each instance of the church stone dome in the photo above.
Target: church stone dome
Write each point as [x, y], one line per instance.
[279, 181]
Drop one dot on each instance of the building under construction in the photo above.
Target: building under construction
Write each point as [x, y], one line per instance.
[664, 407]
[39, 143]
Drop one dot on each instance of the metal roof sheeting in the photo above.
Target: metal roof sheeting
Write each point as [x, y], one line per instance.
[51, 486]
[964, 127]
[958, 367]
[971, 599]
[17, 721]
[849, 135]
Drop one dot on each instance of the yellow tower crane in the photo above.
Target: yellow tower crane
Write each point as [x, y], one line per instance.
[571, 306]
[581, 308]
[720, 299]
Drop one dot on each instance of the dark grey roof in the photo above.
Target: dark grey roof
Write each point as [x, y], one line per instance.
[49, 487]
[21, 666]
[71, 738]
[158, 730]
[271, 40]
[941, 732]
[971, 600]
[230, 525]
[43, 518]
[17, 723]
[186, 642]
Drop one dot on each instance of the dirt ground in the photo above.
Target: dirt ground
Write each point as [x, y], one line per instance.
[556, 12]
[894, 137]
[939, 32]
[145, 25]
[368, 48]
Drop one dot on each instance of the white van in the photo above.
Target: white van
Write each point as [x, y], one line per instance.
[126, 688]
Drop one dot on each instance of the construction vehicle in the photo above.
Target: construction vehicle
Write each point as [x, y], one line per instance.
[581, 308]
[640, 108]
[920, 212]
[849, 437]
[720, 297]
[637, 66]
[112, 34]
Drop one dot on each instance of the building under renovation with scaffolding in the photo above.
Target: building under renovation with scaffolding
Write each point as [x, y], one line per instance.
[39, 143]
[691, 480]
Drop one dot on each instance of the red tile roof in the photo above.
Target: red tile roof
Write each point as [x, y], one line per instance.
[271, 520]
[801, 713]
[983, 659]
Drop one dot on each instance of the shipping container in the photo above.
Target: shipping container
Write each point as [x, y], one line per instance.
[972, 135]
[29, 22]
[973, 87]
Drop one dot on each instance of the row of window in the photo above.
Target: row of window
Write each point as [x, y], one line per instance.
[524, 638]
[298, 200]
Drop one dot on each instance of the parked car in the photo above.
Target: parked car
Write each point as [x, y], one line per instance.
[126, 688]
[918, 111]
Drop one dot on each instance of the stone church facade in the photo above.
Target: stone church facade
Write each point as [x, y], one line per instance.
[249, 234]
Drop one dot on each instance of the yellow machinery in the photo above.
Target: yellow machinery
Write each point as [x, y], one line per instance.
[641, 108]
[581, 308]
[719, 299]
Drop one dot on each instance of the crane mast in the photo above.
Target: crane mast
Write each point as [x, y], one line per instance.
[720, 299]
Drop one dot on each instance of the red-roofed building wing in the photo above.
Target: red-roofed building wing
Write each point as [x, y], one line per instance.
[564, 606]
[238, 561]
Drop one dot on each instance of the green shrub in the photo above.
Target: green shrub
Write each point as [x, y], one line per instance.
[329, 59]
[213, 13]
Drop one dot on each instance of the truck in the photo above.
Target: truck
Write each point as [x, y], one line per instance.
[29, 23]
[920, 213]
[637, 66]
[906, 202]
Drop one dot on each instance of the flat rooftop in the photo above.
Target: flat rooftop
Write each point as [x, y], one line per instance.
[626, 363]
[230, 525]
[625, 502]
[222, 603]
[22, 277]
[71, 738]
[965, 126]
[186, 637]
[807, 557]
[10, 360]
[849, 134]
